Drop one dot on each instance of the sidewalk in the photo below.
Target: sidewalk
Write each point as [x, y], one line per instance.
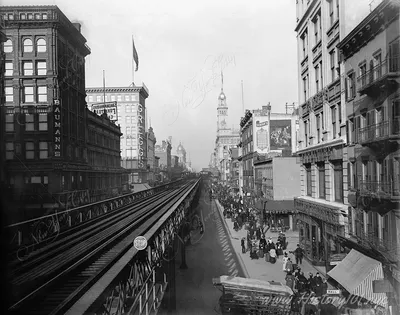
[259, 268]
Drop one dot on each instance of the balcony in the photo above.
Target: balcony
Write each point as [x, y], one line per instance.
[334, 90]
[379, 132]
[379, 190]
[371, 81]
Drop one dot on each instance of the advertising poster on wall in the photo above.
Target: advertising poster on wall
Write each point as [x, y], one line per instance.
[281, 134]
[261, 134]
[141, 133]
[109, 107]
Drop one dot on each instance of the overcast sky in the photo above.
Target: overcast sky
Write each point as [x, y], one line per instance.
[182, 47]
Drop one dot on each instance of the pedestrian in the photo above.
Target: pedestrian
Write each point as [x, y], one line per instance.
[285, 260]
[242, 242]
[324, 287]
[289, 280]
[272, 254]
[289, 265]
[298, 253]
[301, 281]
[318, 284]
[311, 283]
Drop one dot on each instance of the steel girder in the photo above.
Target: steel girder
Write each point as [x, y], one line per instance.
[141, 285]
[24, 236]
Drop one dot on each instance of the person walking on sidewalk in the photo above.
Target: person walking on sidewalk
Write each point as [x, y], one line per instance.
[242, 242]
[290, 280]
[272, 255]
[285, 260]
[289, 266]
[298, 253]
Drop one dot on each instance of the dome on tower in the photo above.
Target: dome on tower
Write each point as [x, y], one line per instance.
[222, 96]
[180, 148]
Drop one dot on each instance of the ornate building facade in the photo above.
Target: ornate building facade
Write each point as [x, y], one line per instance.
[44, 109]
[371, 60]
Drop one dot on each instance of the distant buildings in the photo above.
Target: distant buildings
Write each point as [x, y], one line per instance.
[126, 107]
[151, 162]
[163, 151]
[226, 138]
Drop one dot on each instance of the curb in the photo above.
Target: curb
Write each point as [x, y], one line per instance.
[241, 263]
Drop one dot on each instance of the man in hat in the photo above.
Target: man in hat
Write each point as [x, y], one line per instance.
[298, 253]
[285, 260]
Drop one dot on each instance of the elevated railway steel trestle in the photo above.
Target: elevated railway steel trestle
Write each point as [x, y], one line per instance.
[94, 268]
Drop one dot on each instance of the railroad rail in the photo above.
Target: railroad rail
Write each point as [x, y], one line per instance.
[60, 273]
[27, 235]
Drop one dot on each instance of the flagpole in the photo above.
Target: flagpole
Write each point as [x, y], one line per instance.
[133, 65]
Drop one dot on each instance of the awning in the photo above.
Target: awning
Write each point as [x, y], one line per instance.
[356, 273]
[276, 206]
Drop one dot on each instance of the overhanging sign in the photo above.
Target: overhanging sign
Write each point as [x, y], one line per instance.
[109, 107]
[57, 128]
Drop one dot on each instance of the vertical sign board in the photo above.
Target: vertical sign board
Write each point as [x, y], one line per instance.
[57, 128]
[141, 134]
[261, 134]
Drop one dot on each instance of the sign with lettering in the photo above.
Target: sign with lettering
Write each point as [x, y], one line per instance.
[319, 211]
[109, 107]
[141, 136]
[57, 128]
[261, 134]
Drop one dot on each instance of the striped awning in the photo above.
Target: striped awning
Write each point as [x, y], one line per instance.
[275, 206]
[356, 273]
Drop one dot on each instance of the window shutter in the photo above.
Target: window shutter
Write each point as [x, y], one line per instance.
[346, 89]
[347, 132]
[353, 79]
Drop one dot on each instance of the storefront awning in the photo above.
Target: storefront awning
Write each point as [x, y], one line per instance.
[276, 206]
[356, 273]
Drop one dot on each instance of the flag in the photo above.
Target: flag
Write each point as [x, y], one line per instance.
[135, 55]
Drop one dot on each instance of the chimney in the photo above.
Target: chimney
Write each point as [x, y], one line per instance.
[77, 26]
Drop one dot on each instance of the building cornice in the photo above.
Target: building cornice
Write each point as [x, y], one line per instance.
[369, 27]
[322, 145]
[140, 89]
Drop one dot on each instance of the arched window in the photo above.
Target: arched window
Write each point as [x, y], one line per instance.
[41, 45]
[28, 45]
[8, 46]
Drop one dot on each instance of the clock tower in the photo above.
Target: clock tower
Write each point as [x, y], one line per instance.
[222, 110]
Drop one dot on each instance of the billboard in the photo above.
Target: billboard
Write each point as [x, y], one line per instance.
[141, 135]
[281, 134]
[261, 134]
[109, 107]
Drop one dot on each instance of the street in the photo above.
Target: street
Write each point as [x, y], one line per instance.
[209, 256]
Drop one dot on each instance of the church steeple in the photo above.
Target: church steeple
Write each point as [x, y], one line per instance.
[222, 107]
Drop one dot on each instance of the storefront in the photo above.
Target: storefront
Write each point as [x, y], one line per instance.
[318, 225]
[278, 214]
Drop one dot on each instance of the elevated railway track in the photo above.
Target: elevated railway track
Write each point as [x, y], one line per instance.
[82, 269]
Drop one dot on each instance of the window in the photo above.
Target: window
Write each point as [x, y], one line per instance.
[9, 150]
[338, 181]
[42, 94]
[28, 67]
[29, 122]
[8, 68]
[98, 98]
[378, 65]
[28, 94]
[129, 153]
[129, 142]
[339, 109]
[333, 65]
[321, 180]
[333, 114]
[128, 108]
[9, 122]
[22, 16]
[44, 16]
[308, 179]
[128, 130]
[43, 126]
[318, 118]
[43, 150]
[317, 29]
[304, 39]
[363, 74]
[112, 97]
[29, 150]
[41, 68]
[337, 9]
[128, 119]
[317, 77]
[351, 86]
[28, 45]
[9, 94]
[306, 133]
[8, 46]
[331, 12]
[305, 88]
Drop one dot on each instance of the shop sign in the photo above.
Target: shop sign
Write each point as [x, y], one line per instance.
[141, 134]
[333, 291]
[323, 154]
[57, 128]
[318, 211]
[109, 107]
